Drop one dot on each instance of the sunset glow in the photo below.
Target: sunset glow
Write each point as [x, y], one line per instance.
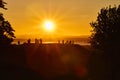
[72, 17]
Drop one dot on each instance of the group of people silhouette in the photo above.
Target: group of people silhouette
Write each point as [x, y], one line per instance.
[40, 41]
[37, 41]
[66, 42]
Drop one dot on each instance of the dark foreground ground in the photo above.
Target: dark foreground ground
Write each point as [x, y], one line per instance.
[44, 62]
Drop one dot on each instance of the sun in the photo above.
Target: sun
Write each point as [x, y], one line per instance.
[49, 25]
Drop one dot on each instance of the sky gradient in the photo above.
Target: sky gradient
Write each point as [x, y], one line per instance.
[72, 17]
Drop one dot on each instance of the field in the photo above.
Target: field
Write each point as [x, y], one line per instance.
[47, 61]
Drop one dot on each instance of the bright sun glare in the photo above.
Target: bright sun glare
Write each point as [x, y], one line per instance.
[49, 25]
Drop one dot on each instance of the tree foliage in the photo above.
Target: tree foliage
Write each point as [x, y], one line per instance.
[2, 4]
[6, 31]
[105, 40]
[106, 29]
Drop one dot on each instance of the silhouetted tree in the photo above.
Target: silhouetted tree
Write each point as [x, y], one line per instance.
[2, 4]
[6, 31]
[105, 39]
[106, 29]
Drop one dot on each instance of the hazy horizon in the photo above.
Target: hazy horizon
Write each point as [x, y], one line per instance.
[82, 40]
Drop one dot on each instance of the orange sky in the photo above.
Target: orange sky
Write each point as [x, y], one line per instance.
[72, 17]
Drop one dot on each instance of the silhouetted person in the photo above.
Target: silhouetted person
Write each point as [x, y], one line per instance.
[36, 41]
[18, 42]
[70, 42]
[40, 41]
[29, 41]
[66, 42]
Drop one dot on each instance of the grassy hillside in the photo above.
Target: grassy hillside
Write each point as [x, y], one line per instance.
[51, 61]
